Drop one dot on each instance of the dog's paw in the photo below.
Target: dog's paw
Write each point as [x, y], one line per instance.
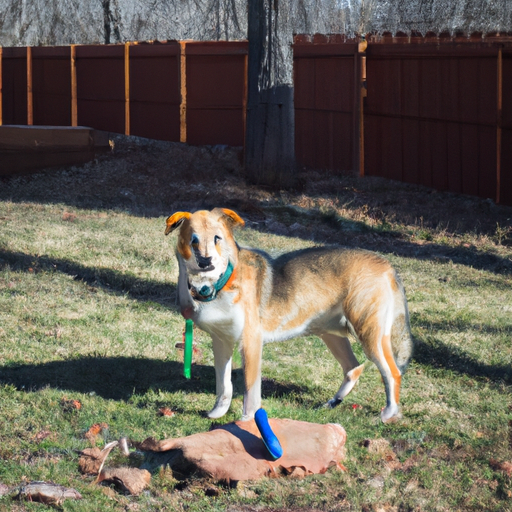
[217, 412]
[390, 414]
[332, 403]
[221, 407]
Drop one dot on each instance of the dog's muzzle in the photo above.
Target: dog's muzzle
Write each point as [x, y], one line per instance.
[207, 293]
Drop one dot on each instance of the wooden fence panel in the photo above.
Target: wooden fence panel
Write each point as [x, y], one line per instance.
[216, 92]
[155, 91]
[326, 113]
[506, 130]
[101, 87]
[430, 115]
[14, 86]
[51, 86]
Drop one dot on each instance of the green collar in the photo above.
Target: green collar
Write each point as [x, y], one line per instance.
[208, 293]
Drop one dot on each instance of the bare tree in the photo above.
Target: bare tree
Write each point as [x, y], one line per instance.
[111, 21]
[60, 22]
[269, 148]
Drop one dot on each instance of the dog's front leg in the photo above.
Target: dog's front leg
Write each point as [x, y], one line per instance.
[222, 353]
[252, 353]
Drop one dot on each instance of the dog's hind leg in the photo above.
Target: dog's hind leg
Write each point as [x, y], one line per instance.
[382, 355]
[392, 377]
[222, 353]
[342, 350]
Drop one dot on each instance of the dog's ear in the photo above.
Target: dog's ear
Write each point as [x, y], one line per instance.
[232, 217]
[175, 221]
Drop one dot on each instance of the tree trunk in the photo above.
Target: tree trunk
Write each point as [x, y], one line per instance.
[270, 133]
[111, 20]
[106, 20]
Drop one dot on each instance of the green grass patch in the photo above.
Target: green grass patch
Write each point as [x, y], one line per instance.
[87, 313]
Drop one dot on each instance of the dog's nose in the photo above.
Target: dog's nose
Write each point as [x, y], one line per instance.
[204, 262]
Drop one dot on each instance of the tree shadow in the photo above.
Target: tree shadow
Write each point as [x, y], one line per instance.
[151, 193]
[350, 233]
[115, 377]
[110, 280]
[347, 232]
[470, 257]
[460, 326]
[119, 378]
[432, 351]
[437, 354]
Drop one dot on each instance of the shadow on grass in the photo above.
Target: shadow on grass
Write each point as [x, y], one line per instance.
[276, 389]
[470, 257]
[348, 232]
[388, 242]
[458, 325]
[110, 280]
[116, 378]
[338, 229]
[436, 354]
[431, 351]
[119, 378]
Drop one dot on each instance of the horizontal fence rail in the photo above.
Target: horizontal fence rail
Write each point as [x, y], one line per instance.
[433, 111]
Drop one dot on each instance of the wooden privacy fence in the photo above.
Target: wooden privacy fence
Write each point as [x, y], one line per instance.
[179, 91]
[327, 102]
[439, 113]
[433, 111]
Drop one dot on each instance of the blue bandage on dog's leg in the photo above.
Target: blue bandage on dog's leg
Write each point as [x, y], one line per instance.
[268, 437]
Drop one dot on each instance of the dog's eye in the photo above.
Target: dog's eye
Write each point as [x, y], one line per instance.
[194, 240]
[217, 239]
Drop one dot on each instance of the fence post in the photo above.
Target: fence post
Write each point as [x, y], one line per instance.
[30, 98]
[127, 88]
[360, 95]
[183, 91]
[74, 107]
[244, 104]
[1, 87]
[499, 123]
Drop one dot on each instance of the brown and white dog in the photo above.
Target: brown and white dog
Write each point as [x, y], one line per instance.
[244, 297]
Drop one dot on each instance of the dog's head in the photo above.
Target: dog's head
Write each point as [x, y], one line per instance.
[206, 245]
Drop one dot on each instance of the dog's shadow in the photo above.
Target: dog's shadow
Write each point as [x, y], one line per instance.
[119, 378]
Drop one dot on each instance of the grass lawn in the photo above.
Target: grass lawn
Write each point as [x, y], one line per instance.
[88, 314]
